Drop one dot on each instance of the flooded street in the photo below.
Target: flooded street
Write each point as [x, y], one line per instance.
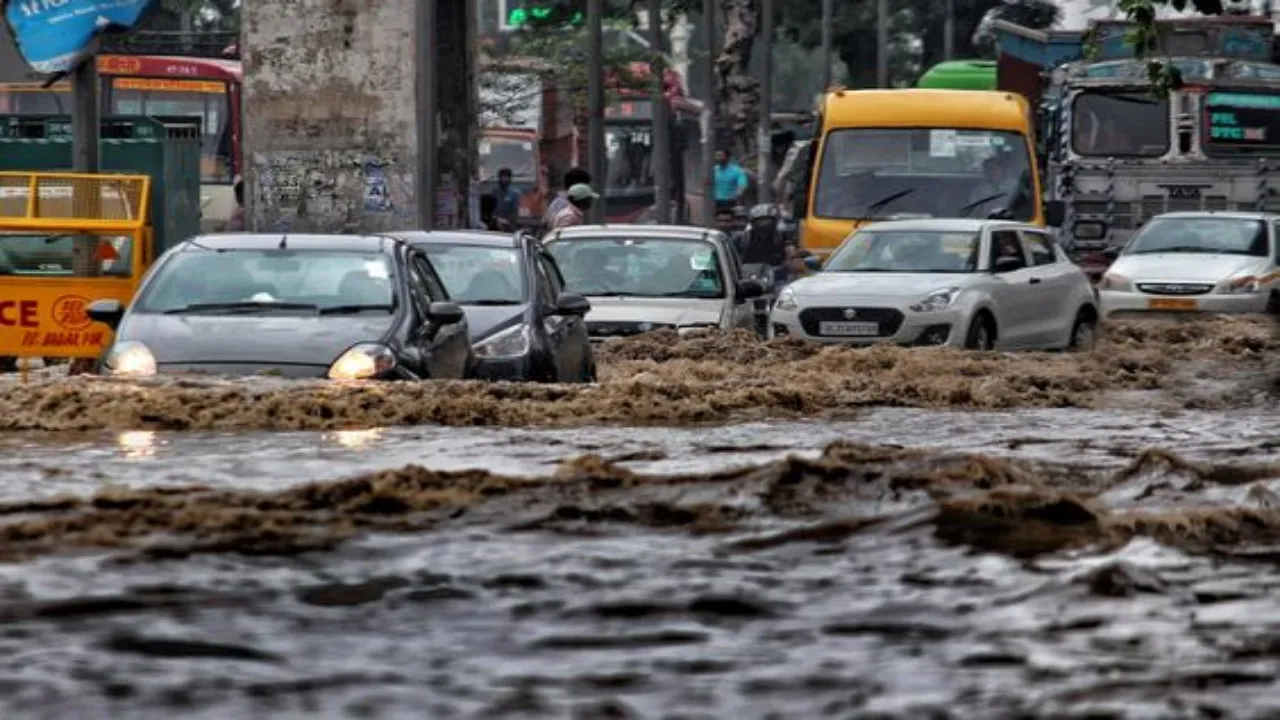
[779, 532]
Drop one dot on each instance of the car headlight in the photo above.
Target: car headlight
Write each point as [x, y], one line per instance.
[937, 300]
[1111, 281]
[1241, 286]
[786, 300]
[363, 362]
[512, 342]
[130, 359]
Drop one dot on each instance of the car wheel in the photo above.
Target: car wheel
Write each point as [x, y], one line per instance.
[1084, 333]
[982, 333]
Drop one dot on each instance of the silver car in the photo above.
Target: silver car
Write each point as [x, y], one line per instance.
[979, 284]
[1219, 262]
[640, 278]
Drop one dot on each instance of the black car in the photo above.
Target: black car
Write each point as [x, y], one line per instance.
[523, 324]
[302, 306]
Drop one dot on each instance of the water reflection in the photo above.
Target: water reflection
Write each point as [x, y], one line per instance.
[356, 439]
[137, 444]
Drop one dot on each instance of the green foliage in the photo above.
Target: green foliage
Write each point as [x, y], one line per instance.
[1145, 39]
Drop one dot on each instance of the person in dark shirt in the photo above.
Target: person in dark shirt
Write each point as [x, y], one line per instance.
[507, 212]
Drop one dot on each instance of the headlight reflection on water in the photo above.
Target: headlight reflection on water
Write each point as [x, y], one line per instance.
[137, 444]
[356, 439]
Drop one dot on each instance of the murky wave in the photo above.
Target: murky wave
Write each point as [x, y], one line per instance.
[664, 380]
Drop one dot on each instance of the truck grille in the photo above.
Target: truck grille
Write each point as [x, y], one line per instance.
[890, 320]
[1175, 288]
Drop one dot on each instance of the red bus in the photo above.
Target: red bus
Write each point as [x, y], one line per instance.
[163, 85]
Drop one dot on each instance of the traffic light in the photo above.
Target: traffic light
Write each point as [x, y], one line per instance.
[543, 13]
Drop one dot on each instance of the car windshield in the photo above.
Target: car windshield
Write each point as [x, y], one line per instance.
[1120, 125]
[476, 275]
[649, 267]
[285, 280]
[1229, 236]
[27, 253]
[907, 251]
[938, 172]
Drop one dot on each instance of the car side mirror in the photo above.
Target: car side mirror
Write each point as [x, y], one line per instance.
[749, 289]
[813, 263]
[1055, 213]
[1007, 264]
[445, 313]
[107, 312]
[572, 305]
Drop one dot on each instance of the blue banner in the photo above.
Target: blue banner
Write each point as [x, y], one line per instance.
[54, 36]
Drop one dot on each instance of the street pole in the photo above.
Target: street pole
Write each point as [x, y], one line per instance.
[427, 102]
[661, 125]
[882, 43]
[709, 135]
[595, 104]
[86, 122]
[827, 20]
[765, 142]
[949, 31]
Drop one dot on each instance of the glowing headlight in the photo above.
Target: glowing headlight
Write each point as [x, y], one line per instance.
[1111, 281]
[786, 300]
[512, 342]
[363, 362]
[936, 300]
[131, 359]
[1241, 286]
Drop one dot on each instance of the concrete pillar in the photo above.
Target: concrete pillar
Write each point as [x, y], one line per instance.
[330, 139]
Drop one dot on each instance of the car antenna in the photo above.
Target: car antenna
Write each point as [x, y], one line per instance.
[282, 245]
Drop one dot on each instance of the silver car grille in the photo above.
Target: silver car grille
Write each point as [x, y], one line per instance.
[1175, 288]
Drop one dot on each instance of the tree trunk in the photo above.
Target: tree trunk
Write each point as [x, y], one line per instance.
[739, 91]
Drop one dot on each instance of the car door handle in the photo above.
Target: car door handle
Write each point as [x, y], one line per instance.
[1035, 281]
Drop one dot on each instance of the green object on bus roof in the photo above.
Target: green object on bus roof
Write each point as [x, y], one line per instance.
[960, 75]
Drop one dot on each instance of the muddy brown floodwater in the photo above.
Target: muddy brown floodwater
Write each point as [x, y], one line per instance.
[719, 529]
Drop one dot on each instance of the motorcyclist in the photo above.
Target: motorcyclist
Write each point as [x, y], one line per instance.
[762, 248]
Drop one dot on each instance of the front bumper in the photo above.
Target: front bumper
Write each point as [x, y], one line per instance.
[513, 369]
[945, 328]
[1120, 302]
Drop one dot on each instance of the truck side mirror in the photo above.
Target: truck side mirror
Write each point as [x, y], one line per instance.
[1055, 213]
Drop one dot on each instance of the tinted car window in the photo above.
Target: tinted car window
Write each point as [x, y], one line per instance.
[1041, 249]
[321, 278]
[1005, 244]
[477, 274]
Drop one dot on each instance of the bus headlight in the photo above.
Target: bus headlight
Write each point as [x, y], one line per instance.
[130, 359]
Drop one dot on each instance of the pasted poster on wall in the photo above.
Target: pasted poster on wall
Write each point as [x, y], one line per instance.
[54, 36]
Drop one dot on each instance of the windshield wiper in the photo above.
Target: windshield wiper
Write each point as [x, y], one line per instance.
[247, 306]
[876, 206]
[492, 303]
[352, 309]
[964, 211]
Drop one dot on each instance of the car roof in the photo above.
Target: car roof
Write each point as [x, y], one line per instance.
[481, 238]
[301, 241]
[943, 224]
[1230, 215]
[681, 232]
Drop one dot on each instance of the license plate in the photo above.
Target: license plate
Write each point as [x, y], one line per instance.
[1172, 304]
[861, 329]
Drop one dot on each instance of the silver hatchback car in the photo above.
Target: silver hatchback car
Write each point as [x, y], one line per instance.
[979, 284]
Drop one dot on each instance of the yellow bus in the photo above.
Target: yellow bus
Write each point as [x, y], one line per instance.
[912, 153]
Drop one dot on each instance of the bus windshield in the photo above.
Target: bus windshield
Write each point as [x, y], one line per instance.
[1120, 125]
[868, 173]
[515, 154]
[205, 99]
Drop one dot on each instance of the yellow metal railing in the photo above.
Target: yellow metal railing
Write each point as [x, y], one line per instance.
[72, 200]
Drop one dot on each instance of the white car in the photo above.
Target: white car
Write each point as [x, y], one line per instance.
[978, 284]
[640, 278]
[1218, 262]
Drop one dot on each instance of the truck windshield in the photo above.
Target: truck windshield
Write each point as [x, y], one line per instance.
[1242, 123]
[1128, 124]
[940, 172]
[516, 154]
